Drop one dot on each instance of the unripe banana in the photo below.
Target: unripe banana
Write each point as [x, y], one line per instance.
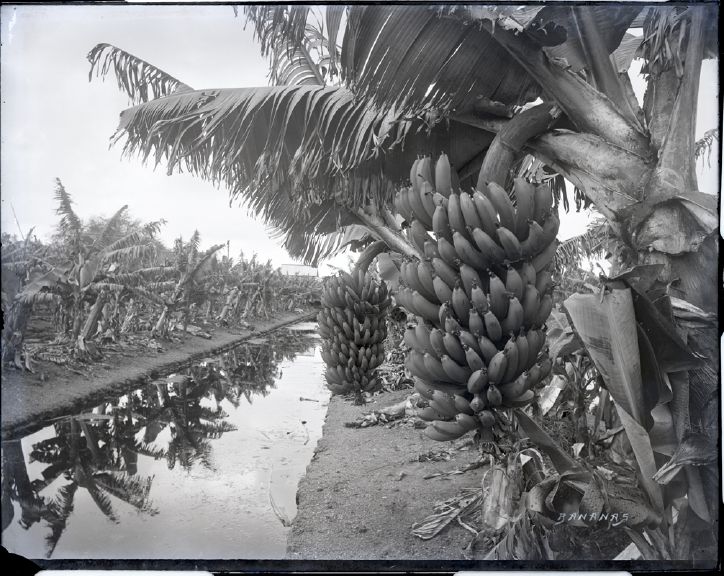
[445, 272]
[495, 398]
[550, 228]
[467, 421]
[442, 290]
[534, 243]
[543, 202]
[443, 403]
[478, 299]
[544, 259]
[453, 429]
[424, 274]
[470, 213]
[443, 181]
[500, 199]
[463, 405]
[453, 348]
[488, 246]
[546, 305]
[527, 273]
[440, 223]
[438, 436]
[514, 319]
[455, 371]
[510, 243]
[486, 213]
[423, 307]
[469, 254]
[487, 348]
[469, 277]
[525, 206]
[515, 388]
[448, 253]
[493, 329]
[435, 369]
[474, 361]
[424, 388]
[521, 342]
[426, 192]
[431, 250]
[496, 367]
[514, 283]
[477, 381]
[424, 172]
[511, 367]
[498, 297]
[455, 215]
[479, 403]
[422, 336]
[460, 304]
[476, 324]
[418, 208]
[543, 281]
[437, 342]
[531, 304]
[413, 173]
[468, 339]
[452, 326]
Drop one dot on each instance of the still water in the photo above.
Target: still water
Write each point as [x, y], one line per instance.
[202, 464]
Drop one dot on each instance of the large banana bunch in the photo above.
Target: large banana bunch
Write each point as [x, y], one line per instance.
[353, 326]
[482, 295]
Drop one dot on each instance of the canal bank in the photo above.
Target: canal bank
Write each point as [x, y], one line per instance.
[366, 487]
[28, 398]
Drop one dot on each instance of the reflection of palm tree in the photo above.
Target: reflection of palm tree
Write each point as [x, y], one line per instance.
[84, 466]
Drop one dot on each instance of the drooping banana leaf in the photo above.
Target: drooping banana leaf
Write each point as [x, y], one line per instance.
[608, 329]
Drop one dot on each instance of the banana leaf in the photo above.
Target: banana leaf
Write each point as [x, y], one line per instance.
[607, 326]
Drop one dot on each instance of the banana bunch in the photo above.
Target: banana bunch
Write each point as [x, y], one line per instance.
[482, 294]
[353, 326]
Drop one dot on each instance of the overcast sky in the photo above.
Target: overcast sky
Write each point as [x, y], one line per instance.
[57, 124]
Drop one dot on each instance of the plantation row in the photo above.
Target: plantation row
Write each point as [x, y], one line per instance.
[99, 281]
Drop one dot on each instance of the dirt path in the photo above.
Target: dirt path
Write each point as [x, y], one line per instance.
[30, 398]
[365, 487]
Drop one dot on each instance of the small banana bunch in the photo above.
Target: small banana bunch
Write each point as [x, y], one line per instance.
[353, 326]
[482, 295]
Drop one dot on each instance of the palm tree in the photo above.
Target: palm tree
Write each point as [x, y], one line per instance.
[487, 85]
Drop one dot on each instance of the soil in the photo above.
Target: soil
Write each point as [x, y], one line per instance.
[365, 487]
[28, 398]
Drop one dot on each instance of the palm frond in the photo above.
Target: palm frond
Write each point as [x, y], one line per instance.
[704, 145]
[276, 25]
[134, 238]
[212, 430]
[70, 225]
[60, 509]
[132, 489]
[591, 244]
[205, 257]
[423, 57]
[109, 228]
[136, 78]
[292, 153]
[155, 298]
[130, 253]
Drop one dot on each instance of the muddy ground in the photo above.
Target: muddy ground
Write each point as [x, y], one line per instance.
[365, 487]
[28, 398]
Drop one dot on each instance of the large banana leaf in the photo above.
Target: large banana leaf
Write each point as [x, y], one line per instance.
[608, 329]
[295, 154]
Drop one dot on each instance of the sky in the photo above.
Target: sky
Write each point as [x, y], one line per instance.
[55, 123]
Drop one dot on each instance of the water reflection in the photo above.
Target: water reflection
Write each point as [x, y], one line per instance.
[97, 451]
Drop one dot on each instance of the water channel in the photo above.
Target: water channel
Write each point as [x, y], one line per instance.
[201, 464]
